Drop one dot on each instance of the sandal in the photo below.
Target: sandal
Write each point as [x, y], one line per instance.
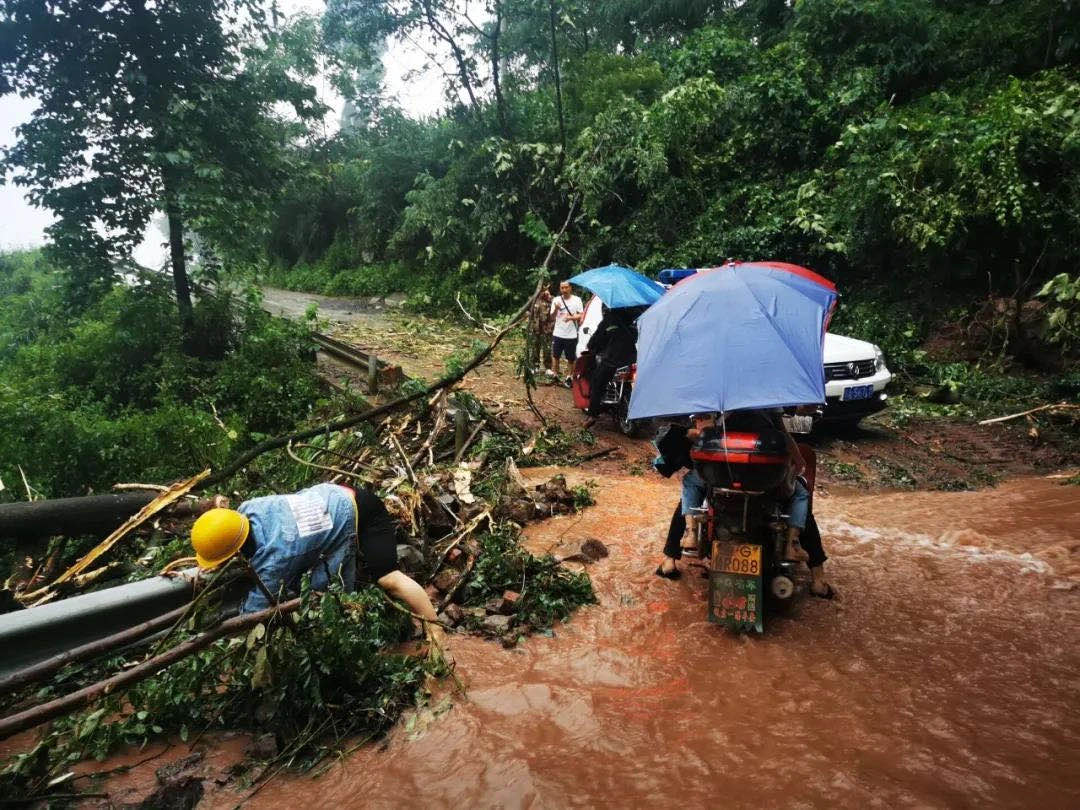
[829, 592]
[675, 573]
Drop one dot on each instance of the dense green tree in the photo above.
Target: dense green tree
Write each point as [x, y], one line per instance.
[148, 106]
[861, 136]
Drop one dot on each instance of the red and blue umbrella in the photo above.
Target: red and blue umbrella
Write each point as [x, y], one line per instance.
[732, 338]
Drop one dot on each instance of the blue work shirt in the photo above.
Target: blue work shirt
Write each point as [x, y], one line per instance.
[311, 530]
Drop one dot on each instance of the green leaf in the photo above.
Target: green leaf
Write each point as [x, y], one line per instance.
[260, 678]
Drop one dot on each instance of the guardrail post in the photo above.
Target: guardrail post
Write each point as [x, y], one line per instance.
[373, 374]
[461, 422]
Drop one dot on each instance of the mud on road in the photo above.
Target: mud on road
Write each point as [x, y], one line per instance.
[945, 674]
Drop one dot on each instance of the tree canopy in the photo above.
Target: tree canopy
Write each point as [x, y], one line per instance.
[146, 106]
[863, 137]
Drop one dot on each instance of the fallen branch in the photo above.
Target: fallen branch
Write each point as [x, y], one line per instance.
[487, 328]
[229, 470]
[603, 451]
[37, 715]
[172, 494]
[335, 470]
[151, 487]
[1057, 406]
[433, 436]
[473, 524]
[401, 452]
[450, 594]
[29, 494]
[42, 670]
[460, 454]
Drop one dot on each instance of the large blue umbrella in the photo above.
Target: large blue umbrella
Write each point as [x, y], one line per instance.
[619, 286]
[736, 337]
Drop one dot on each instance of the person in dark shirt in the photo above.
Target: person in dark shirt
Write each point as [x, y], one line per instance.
[614, 344]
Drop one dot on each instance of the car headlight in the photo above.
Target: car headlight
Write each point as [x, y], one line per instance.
[879, 359]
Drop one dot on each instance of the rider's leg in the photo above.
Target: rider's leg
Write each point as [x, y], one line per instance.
[693, 496]
[673, 545]
[598, 382]
[811, 542]
[798, 509]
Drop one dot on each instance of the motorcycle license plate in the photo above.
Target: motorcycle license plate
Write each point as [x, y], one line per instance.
[739, 558]
[857, 392]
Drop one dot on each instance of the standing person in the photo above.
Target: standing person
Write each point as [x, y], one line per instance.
[542, 323]
[567, 310]
[313, 531]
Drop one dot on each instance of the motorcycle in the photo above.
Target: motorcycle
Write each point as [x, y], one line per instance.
[741, 527]
[616, 399]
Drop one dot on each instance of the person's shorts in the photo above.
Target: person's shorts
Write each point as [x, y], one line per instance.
[376, 535]
[564, 347]
[693, 492]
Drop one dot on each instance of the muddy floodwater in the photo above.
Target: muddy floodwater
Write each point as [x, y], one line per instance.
[947, 674]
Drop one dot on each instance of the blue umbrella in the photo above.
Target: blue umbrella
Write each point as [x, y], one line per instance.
[619, 286]
[736, 337]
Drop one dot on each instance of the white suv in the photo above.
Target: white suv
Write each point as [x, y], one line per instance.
[855, 379]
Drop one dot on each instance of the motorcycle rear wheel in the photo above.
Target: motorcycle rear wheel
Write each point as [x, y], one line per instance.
[631, 428]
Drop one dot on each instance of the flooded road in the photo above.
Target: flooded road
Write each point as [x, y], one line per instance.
[946, 675]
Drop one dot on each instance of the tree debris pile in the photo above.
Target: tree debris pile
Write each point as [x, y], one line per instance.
[334, 668]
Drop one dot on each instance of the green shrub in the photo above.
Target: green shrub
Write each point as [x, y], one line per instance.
[108, 395]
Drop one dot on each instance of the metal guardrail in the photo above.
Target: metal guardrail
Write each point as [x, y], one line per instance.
[33, 635]
[386, 373]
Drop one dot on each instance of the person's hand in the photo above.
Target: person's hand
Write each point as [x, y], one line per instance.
[220, 502]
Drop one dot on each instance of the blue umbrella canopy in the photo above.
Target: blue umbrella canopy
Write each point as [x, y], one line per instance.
[735, 337]
[619, 286]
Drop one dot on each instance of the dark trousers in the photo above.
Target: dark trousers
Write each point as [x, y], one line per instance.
[810, 539]
[602, 374]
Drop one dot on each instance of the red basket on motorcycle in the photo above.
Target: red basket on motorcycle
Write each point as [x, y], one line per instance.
[748, 461]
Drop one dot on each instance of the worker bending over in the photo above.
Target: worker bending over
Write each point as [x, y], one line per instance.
[315, 530]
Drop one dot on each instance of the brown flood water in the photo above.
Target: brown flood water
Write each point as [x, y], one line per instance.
[946, 675]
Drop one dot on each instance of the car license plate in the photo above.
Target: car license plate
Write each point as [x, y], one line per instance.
[857, 392]
[739, 558]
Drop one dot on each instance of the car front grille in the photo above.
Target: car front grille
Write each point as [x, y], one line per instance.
[854, 370]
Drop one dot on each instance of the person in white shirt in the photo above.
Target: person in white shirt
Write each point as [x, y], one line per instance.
[567, 309]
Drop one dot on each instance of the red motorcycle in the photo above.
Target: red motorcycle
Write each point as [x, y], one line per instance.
[617, 396]
[742, 526]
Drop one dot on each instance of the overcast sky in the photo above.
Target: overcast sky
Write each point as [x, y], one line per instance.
[22, 225]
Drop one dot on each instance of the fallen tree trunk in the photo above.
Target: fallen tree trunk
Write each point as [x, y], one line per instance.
[29, 718]
[92, 514]
[161, 501]
[38, 672]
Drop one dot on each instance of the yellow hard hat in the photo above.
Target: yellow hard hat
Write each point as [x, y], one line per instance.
[217, 535]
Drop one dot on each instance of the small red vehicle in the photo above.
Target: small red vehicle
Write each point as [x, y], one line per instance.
[617, 397]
